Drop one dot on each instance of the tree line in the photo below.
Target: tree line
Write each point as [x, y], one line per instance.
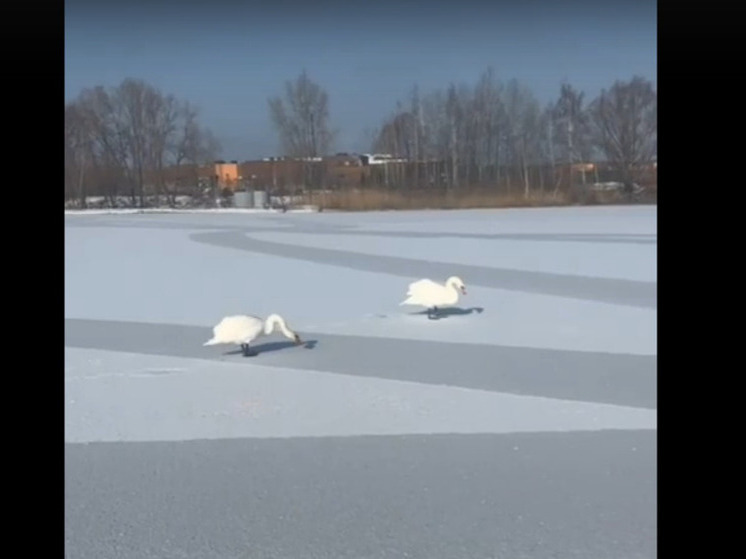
[127, 141]
[492, 132]
[134, 140]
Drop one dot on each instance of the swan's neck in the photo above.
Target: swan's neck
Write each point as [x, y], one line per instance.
[276, 321]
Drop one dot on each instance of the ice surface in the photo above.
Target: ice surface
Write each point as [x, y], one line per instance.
[149, 268]
[114, 396]
[639, 221]
[595, 259]
[123, 274]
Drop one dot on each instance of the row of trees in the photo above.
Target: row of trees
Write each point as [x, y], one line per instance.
[133, 139]
[491, 132]
[120, 140]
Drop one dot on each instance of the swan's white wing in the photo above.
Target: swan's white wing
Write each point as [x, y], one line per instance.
[422, 285]
[241, 320]
[237, 329]
[424, 292]
[250, 326]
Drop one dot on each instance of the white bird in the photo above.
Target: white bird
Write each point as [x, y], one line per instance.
[427, 293]
[244, 329]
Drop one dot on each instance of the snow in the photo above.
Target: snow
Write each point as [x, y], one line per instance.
[209, 211]
[150, 399]
[606, 220]
[596, 259]
[175, 280]
[149, 268]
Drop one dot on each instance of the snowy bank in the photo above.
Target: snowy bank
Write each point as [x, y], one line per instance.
[108, 211]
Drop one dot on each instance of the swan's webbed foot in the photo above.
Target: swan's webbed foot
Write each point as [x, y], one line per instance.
[247, 351]
[432, 314]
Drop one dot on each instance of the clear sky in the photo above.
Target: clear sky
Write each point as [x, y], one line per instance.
[229, 56]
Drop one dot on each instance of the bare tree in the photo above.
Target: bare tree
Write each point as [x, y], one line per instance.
[403, 134]
[302, 121]
[149, 119]
[417, 131]
[109, 151]
[571, 125]
[78, 151]
[454, 114]
[625, 125]
[484, 115]
[397, 135]
[192, 146]
[491, 97]
[127, 137]
[532, 155]
[523, 132]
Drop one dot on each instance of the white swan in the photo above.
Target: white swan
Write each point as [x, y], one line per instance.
[427, 293]
[244, 329]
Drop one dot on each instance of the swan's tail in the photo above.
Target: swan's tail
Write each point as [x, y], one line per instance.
[212, 341]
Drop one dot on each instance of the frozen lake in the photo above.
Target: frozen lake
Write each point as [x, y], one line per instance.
[522, 424]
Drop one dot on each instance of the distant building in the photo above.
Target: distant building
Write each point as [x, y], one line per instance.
[380, 159]
[284, 172]
[226, 174]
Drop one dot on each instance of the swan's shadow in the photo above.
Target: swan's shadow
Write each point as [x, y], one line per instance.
[452, 311]
[274, 346]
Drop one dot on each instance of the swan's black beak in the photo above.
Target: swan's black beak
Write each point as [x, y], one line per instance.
[298, 340]
[463, 290]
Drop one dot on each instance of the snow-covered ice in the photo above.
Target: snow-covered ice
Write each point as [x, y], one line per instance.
[155, 269]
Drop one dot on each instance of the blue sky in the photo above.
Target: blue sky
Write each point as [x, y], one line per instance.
[228, 56]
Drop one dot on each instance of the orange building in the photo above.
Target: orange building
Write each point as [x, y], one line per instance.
[227, 174]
